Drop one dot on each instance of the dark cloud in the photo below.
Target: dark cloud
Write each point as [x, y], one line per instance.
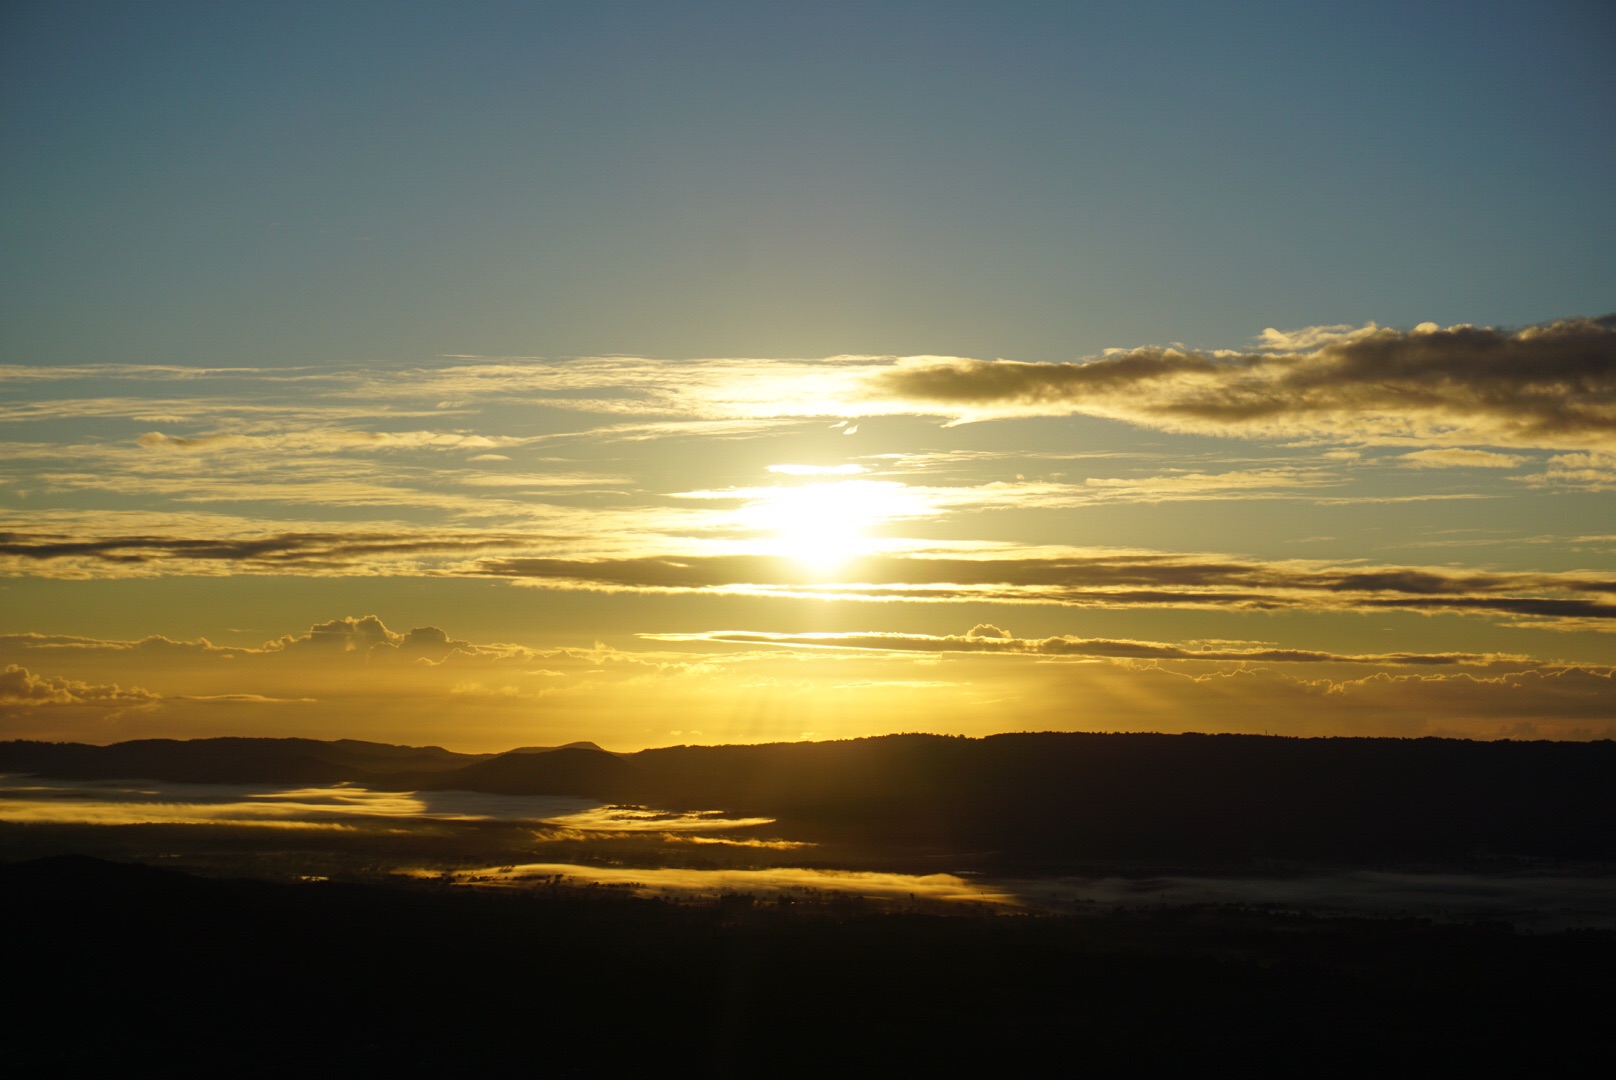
[1141, 579]
[1552, 385]
[269, 553]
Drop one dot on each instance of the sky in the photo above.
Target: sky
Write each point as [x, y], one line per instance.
[491, 375]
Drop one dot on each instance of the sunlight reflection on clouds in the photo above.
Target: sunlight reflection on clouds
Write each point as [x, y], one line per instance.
[644, 819]
[776, 881]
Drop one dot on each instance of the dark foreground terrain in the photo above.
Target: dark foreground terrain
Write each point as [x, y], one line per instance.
[116, 967]
[1034, 801]
[129, 970]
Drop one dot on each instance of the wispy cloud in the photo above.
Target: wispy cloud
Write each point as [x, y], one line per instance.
[204, 410]
[1108, 579]
[1459, 458]
[74, 554]
[986, 638]
[330, 440]
[1593, 471]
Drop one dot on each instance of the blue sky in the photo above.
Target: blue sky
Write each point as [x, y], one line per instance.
[278, 184]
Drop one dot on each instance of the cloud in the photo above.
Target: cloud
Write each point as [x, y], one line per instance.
[1594, 471]
[1553, 695]
[847, 469]
[127, 555]
[120, 543]
[1456, 457]
[666, 881]
[938, 572]
[355, 677]
[1550, 386]
[159, 373]
[1563, 701]
[1102, 579]
[1186, 487]
[544, 480]
[875, 501]
[352, 639]
[156, 440]
[200, 410]
[19, 686]
[367, 638]
[246, 699]
[347, 635]
[991, 639]
[333, 440]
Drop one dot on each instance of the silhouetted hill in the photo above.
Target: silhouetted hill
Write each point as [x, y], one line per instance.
[568, 770]
[1080, 796]
[229, 760]
[581, 744]
[1027, 797]
[80, 875]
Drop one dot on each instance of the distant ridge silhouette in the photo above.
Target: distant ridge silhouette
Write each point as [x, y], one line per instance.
[1035, 796]
[230, 760]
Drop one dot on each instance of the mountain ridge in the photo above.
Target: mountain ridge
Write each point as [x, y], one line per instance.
[1036, 795]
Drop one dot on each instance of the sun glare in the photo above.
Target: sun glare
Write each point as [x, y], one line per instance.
[823, 526]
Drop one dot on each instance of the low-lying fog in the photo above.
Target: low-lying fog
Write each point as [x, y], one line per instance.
[147, 802]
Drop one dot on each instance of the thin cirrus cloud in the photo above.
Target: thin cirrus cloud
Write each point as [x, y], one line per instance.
[1459, 458]
[1106, 579]
[401, 469]
[1402, 693]
[987, 638]
[1550, 386]
[328, 440]
[1084, 578]
[251, 414]
[908, 500]
[78, 544]
[63, 554]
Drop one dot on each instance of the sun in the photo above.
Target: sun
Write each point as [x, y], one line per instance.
[822, 526]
